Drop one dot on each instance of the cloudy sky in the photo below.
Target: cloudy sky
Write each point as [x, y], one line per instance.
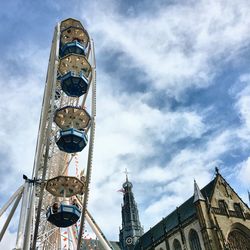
[173, 83]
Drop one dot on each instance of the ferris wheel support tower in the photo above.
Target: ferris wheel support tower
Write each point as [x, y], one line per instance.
[64, 128]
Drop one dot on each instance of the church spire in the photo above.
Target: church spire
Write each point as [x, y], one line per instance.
[197, 193]
[131, 227]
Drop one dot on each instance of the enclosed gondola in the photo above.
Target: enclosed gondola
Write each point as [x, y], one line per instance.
[72, 30]
[73, 47]
[71, 140]
[75, 74]
[64, 215]
[73, 84]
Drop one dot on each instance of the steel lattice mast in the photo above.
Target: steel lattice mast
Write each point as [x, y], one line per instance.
[63, 129]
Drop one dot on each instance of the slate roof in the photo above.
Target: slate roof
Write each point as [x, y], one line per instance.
[184, 212]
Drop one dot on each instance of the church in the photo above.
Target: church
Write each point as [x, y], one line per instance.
[214, 218]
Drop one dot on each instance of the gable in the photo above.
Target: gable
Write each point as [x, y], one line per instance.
[223, 191]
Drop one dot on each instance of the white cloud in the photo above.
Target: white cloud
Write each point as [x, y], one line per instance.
[9, 238]
[176, 46]
[241, 92]
[20, 105]
[166, 204]
[244, 172]
[175, 179]
[127, 131]
[176, 49]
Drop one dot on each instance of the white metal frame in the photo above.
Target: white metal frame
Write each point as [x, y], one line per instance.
[34, 232]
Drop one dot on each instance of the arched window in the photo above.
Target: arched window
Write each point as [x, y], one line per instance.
[194, 241]
[177, 245]
[238, 240]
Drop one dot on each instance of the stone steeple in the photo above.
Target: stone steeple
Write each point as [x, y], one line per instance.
[131, 227]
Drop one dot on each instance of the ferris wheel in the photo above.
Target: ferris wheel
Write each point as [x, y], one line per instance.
[54, 200]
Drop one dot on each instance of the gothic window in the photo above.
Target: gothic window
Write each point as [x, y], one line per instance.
[194, 241]
[222, 205]
[237, 240]
[237, 209]
[176, 245]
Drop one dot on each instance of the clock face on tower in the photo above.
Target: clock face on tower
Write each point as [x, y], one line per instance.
[129, 240]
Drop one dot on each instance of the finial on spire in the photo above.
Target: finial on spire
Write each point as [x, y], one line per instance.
[127, 184]
[126, 172]
[197, 193]
[217, 170]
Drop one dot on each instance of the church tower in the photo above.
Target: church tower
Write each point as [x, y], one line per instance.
[131, 229]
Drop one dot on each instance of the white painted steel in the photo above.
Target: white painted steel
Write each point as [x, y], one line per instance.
[106, 245]
[96, 229]
[34, 232]
[30, 211]
[73, 238]
[11, 199]
[91, 148]
[12, 211]
[52, 77]
[23, 216]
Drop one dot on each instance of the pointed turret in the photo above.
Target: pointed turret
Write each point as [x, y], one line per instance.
[131, 227]
[197, 193]
[202, 211]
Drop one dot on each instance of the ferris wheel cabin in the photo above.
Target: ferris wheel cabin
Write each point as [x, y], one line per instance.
[74, 67]
[73, 47]
[72, 140]
[74, 85]
[64, 216]
[75, 74]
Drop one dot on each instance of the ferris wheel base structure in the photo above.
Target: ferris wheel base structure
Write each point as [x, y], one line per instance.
[52, 200]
